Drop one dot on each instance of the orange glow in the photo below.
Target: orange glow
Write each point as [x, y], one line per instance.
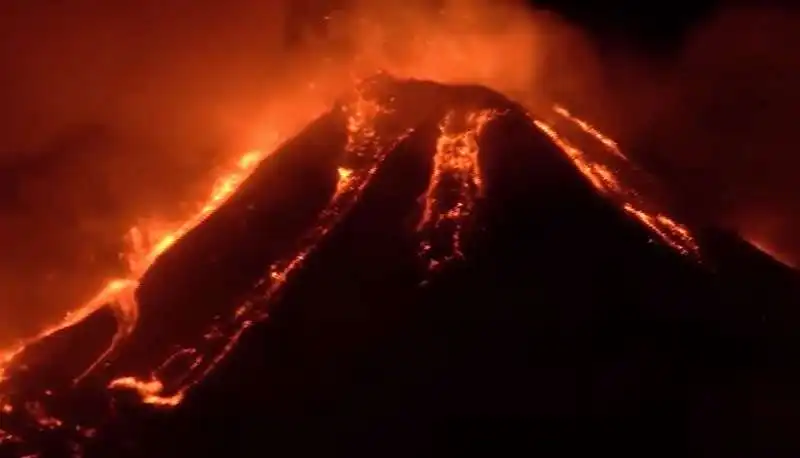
[455, 43]
[768, 249]
[148, 391]
[474, 42]
[40, 416]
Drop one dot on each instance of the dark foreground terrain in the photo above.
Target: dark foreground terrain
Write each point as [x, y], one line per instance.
[567, 329]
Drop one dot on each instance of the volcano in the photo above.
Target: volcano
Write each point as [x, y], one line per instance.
[423, 268]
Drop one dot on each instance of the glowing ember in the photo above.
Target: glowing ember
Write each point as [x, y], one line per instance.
[41, 417]
[149, 391]
[7, 438]
[454, 186]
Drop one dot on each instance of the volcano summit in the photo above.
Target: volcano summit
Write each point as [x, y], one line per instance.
[431, 259]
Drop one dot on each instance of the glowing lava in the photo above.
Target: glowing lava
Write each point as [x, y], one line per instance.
[610, 144]
[599, 169]
[145, 245]
[454, 186]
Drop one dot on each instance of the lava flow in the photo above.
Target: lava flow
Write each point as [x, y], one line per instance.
[364, 152]
[456, 159]
[144, 249]
[603, 171]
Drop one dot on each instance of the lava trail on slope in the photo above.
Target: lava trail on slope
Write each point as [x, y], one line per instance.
[427, 245]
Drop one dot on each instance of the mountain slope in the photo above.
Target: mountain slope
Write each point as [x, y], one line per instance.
[437, 268]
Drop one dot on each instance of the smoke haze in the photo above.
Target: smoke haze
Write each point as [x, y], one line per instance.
[114, 112]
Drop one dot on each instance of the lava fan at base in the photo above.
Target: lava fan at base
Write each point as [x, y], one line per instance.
[426, 169]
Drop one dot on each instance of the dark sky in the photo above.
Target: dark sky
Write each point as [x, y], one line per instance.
[652, 26]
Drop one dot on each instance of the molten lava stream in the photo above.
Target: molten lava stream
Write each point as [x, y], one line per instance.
[364, 152]
[145, 246]
[455, 185]
[603, 169]
[610, 144]
[663, 225]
